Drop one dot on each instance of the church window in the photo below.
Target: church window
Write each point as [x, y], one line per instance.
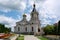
[26, 28]
[18, 28]
[32, 14]
[32, 23]
[38, 30]
[32, 28]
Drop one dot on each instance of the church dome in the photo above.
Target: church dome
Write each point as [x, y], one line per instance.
[34, 9]
[24, 15]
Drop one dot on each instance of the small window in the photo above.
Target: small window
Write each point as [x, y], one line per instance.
[18, 28]
[38, 30]
[26, 28]
[32, 28]
[32, 23]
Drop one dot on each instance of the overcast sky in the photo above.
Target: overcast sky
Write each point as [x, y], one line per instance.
[11, 11]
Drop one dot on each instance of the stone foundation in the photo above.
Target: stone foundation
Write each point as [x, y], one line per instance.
[26, 33]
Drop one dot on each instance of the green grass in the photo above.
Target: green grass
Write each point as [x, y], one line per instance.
[20, 38]
[42, 38]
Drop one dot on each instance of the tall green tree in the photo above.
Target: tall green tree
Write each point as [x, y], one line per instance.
[4, 29]
[48, 29]
[58, 28]
[52, 29]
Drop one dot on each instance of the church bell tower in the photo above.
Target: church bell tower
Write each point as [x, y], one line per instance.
[34, 21]
[34, 15]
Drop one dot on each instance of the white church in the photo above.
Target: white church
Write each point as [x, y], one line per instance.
[29, 27]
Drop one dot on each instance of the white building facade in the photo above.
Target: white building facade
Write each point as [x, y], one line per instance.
[29, 27]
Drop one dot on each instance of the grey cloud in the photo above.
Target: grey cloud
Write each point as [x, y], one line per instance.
[9, 6]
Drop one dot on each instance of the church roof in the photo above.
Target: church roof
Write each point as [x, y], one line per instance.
[23, 21]
[24, 15]
[34, 9]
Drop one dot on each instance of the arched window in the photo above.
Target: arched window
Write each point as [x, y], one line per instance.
[18, 28]
[32, 23]
[26, 28]
[38, 30]
[32, 28]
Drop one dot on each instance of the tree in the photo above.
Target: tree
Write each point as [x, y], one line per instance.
[48, 29]
[4, 29]
[52, 29]
[58, 28]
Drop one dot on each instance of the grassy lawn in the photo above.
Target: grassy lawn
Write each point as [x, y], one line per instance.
[21, 37]
[42, 38]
